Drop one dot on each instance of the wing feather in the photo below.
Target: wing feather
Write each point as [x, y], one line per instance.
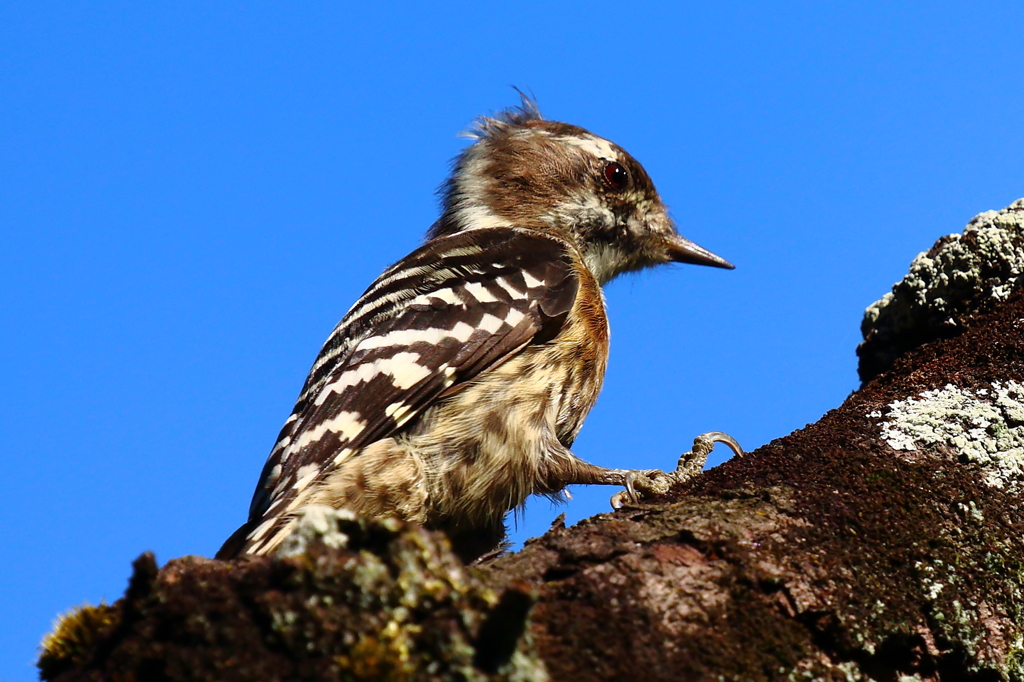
[454, 308]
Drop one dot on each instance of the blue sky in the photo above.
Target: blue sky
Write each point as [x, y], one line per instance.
[192, 196]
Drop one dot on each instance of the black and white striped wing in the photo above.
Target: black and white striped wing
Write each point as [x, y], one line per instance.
[439, 317]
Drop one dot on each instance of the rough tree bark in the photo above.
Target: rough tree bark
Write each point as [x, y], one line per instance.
[884, 542]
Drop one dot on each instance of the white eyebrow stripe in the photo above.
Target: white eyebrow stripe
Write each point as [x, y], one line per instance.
[597, 146]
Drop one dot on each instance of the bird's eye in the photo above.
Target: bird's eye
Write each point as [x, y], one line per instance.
[616, 175]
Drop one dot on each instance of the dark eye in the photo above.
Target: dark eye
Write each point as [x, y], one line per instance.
[616, 175]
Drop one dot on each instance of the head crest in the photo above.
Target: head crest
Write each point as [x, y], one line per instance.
[526, 111]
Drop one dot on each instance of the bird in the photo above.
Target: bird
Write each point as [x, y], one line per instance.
[454, 387]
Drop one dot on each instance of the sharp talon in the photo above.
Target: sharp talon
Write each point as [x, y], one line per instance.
[617, 500]
[631, 487]
[712, 437]
[692, 463]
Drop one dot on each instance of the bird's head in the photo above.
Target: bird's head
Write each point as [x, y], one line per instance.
[526, 172]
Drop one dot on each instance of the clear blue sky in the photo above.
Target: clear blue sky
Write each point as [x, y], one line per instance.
[191, 197]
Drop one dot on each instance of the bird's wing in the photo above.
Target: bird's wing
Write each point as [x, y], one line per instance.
[438, 318]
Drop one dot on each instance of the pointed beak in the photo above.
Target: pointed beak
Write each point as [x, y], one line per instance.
[682, 250]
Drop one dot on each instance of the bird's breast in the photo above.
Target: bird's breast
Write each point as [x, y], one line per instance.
[581, 351]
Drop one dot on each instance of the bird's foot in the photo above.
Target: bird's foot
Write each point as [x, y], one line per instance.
[652, 482]
[692, 463]
[644, 484]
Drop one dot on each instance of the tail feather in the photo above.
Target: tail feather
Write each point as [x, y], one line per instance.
[234, 545]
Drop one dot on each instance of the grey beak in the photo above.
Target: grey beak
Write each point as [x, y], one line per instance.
[682, 250]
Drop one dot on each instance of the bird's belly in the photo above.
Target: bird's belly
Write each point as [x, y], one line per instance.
[484, 448]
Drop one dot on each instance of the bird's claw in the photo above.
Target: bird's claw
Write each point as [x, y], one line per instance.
[641, 484]
[692, 463]
[631, 487]
[620, 498]
[652, 482]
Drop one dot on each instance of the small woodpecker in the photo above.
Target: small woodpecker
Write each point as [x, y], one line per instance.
[454, 387]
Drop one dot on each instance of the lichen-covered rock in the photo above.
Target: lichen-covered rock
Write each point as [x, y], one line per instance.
[961, 276]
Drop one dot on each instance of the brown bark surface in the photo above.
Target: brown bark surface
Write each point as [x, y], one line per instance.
[826, 552]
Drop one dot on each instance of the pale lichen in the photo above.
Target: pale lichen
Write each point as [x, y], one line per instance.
[984, 426]
[398, 573]
[316, 523]
[952, 272]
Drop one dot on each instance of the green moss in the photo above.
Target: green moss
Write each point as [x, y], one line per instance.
[385, 600]
[73, 638]
[385, 657]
